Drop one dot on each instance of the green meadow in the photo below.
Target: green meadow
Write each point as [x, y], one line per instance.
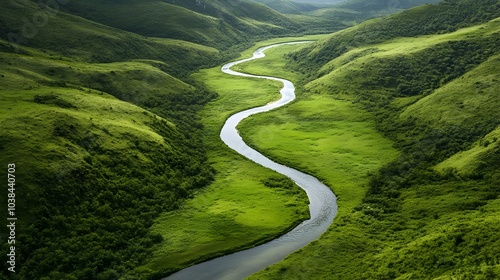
[430, 212]
[121, 174]
[246, 204]
[328, 137]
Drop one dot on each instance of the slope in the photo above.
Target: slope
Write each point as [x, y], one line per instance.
[94, 171]
[218, 23]
[356, 11]
[433, 212]
[446, 16]
[289, 7]
[88, 163]
[47, 28]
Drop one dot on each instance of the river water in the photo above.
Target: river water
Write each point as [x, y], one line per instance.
[322, 207]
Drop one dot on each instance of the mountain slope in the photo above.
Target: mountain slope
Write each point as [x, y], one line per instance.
[216, 23]
[104, 136]
[433, 212]
[289, 7]
[429, 19]
[93, 42]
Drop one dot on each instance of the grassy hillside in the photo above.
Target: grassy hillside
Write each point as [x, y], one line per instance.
[433, 212]
[93, 42]
[104, 136]
[217, 23]
[444, 17]
[353, 12]
[290, 7]
[92, 170]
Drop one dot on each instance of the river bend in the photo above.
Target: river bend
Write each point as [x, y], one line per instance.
[322, 207]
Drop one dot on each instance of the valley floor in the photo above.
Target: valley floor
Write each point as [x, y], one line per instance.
[340, 146]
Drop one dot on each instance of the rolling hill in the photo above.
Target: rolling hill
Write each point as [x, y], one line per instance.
[99, 113]
[431, 85]
[101, 125]
[352, 12]
[290, 7]
[217, 23]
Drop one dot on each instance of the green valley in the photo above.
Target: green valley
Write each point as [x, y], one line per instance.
[111, 111]
[432, 213]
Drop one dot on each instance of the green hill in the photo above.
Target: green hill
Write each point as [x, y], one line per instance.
[431, 85]
[444, 17]
[217, 23]
[92, 170]
[64, 34]
[290, 7]
[352, 12]
[99, 114]
[104, 136]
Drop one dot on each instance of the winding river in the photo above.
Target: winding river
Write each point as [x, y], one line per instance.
[322, 207]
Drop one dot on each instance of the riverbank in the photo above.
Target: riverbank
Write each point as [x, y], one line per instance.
[238, 210]
[311, 149]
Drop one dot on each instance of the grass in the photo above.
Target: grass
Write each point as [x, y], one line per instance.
[238, 210]
[333, 139]
[453, 104]
[442, 225]
[94, 42]
[465, 163]
[59, 118]
[326, 137]
[406, 46]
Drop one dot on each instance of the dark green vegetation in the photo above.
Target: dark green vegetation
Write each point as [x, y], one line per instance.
[103, 120]
[103, 126]
[215, 23]
[290, 7]
[94, 170]
[431, 85]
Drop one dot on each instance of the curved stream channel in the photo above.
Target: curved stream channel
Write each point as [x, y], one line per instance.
[322, 207]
